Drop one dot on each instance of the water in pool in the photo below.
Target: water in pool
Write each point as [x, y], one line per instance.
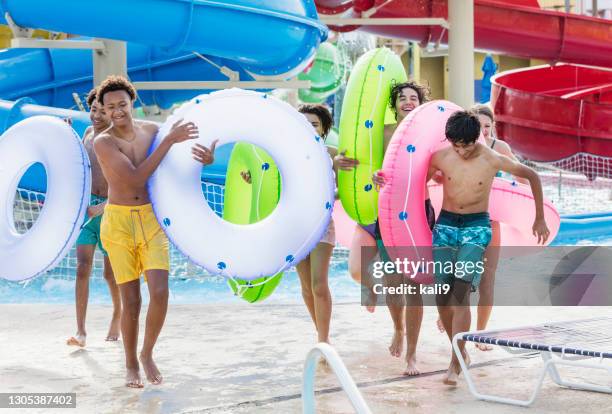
[189, 284]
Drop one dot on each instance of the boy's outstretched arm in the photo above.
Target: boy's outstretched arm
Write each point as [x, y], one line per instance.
[540, 229]
[108, 153]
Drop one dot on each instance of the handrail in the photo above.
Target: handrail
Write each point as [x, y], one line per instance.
[323, 350]
[588, 91]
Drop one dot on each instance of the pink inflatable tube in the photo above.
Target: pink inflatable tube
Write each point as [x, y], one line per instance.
[401, 210]
[344, 225]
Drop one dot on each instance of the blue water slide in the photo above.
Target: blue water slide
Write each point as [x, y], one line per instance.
[35, 178]
[13, 112]
[51, 76]
[267, 37]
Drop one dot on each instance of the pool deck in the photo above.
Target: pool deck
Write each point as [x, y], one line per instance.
[248, 359]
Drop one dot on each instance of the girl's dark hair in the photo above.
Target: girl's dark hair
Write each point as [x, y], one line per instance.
[421, 90]
[116, 83]
[322, 113]
[463, 127]
[483, 110]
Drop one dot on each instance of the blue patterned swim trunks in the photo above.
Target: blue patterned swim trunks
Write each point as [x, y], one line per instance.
[459, 242]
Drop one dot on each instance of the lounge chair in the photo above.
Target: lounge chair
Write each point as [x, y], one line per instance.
[585, 343]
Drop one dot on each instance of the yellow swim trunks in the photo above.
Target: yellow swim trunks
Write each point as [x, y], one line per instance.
[134, 241]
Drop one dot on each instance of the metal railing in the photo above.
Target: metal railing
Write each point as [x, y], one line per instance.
[323, 350]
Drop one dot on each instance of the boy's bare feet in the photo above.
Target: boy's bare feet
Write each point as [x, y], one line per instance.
[454, 369]
[150, 369]
[397, 344]
[78, 340]
[411, 368]
[452, 374]
[132, 378]
[483, 347]
[114, 329]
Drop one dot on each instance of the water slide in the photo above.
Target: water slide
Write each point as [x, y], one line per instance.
[326, 74]
[12, 112]
[563, 112]
[547, 114]
[51, 76]
[513, 27]
[267, 37]
[41, 81]
[254, 38]
[247, 36]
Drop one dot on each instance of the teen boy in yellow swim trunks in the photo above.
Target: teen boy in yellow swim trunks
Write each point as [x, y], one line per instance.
[130, 232]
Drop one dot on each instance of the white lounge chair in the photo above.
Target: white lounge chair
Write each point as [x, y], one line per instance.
[585, 343]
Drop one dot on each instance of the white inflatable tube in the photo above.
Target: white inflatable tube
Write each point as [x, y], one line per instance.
[54, 144]
[295, 226]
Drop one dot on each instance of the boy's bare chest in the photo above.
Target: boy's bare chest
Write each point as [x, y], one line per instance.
[135, 151]
[468, 174]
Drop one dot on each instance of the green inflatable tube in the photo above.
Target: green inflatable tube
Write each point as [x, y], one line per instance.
[326, 74]
[364, 111]
[246, 203]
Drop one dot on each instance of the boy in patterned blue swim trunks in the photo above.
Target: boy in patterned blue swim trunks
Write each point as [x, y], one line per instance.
[463, 229]
[90, 234]
[461, 239]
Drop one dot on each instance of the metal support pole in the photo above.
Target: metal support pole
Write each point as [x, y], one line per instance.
[110, 61]
[461, 52]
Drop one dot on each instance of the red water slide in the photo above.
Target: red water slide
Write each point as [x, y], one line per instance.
[552, 113]
[547, 114]
[513, 27]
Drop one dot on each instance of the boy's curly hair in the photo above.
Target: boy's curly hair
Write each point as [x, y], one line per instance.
[421, 90]
[116, 83]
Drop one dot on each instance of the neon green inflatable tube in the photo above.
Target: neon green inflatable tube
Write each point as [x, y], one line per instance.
[246, 203]
[326, 74]
[364, 111]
